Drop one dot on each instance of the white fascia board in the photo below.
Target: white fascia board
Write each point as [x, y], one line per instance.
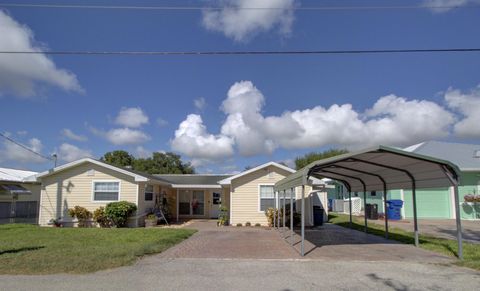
[192, 186]
[228, 181]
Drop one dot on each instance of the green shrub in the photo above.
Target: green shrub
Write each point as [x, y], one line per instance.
[222, 216]
[100, 217]
[271, 213]
[81, 214]
[257, 225]
[248, 223]
[239, 224]
[118, 212]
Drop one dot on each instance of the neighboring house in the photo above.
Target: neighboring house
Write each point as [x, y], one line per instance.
[437, 203]
[90, 183]
[19, 196]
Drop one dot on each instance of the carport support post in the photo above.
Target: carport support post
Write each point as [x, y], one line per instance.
[365, 207]
[284, 211]
[415, 219]
[302, 246]
[385, 207]
[459, 222]
[350, 206]
[274, 208]
[291, 216]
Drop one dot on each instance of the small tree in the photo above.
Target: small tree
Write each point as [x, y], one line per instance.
[81, 214]
[118, 212]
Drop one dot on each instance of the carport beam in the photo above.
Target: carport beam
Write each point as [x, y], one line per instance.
[291, 216]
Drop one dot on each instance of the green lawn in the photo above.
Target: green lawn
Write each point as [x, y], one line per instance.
[471, 252]
[28, 249]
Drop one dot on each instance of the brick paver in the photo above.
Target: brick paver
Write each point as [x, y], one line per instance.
[329, 242]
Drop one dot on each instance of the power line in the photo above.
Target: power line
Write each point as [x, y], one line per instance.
[25, 147]
[220, 53]
[195, 8]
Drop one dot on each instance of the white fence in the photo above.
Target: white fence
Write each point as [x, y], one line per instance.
[343, 205]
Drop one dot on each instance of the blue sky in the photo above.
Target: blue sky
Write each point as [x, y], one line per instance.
[278, 107]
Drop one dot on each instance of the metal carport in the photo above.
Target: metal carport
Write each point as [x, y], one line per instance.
[379, 168]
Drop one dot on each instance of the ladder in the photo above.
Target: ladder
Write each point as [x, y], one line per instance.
[157, 210]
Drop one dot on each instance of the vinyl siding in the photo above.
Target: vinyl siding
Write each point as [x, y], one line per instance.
[244, 194]
[73, 186]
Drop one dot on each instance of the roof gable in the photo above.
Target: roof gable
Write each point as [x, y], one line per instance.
[228, 180]
[138, 177]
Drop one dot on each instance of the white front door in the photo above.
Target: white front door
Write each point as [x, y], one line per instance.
[215, 203]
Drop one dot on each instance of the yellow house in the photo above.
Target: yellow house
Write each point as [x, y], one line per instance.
[91, 183]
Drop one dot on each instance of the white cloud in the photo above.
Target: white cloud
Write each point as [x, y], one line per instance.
[200, 103]
[68, 133]
[242, 24]
[16, 153]
[22, 132]
[447, 4]
[392, 120]
[68, 153]
[131, 117]
[22, 75]
[193, 140]
[126, 136]
[468, 105]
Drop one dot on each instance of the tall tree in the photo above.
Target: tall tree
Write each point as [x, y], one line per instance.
[118, 158]
[163, 163]
[306, 159]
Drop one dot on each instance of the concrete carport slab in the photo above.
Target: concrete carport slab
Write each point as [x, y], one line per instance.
[332, 242]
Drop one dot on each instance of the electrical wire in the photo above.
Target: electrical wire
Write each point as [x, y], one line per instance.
[304, 8]
[25, 147]
[220, 53]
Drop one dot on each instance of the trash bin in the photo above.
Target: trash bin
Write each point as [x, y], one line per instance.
[394, 209]
[318, 215]
[372, 211]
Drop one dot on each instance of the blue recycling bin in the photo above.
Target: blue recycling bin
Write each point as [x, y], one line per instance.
[394, 209]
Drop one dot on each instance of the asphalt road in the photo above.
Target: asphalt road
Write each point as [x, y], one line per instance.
[157, 273]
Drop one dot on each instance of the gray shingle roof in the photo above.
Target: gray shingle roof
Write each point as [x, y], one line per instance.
[463, 155]
[192, 179]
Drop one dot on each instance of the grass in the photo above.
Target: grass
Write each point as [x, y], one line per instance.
[28, 249]
[471, 252]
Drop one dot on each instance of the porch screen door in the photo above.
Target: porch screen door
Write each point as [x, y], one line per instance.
[198, 202]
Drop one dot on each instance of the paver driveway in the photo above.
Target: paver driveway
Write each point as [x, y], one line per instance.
[231, 242]
[330, 242]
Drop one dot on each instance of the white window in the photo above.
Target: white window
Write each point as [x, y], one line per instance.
[267, 197]
[106, 191]
[149, 193]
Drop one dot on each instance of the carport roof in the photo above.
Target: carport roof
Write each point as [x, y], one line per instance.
[374, 165]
